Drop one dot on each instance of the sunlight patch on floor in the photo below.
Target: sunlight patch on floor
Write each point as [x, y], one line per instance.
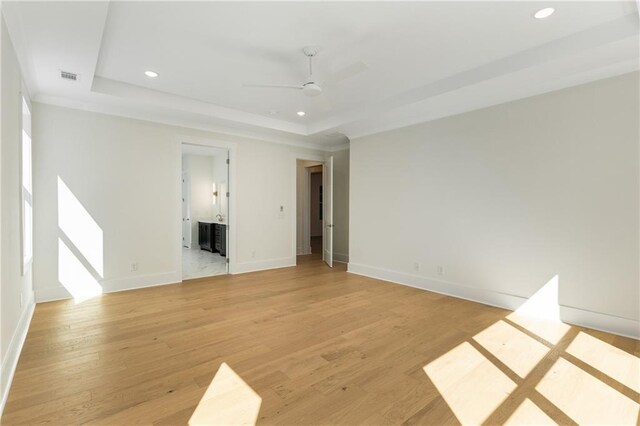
[227, 401]
[474, 387]
[529, 414]
[584, 398]
[470, 384]
[514, 348]
[614, 362]
[540, 314]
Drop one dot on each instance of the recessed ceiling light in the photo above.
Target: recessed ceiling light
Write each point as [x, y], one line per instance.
[300, 113]
[151, 74]
[544, 13]
[273, 112]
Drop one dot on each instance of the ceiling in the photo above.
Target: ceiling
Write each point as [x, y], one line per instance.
[381, 64]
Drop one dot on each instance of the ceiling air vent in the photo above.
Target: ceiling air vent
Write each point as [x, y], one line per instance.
[66, 75]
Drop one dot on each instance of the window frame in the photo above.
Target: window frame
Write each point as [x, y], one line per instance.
[26, 186]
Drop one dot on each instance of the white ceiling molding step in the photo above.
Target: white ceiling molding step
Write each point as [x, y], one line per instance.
[441, 59]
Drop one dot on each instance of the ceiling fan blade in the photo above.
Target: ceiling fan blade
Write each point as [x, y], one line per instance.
[347, 72]
[272, 86]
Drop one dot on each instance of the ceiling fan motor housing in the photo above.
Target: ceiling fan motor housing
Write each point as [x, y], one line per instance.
[311, 89]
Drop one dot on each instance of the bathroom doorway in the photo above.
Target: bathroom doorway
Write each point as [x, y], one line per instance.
[205, 210]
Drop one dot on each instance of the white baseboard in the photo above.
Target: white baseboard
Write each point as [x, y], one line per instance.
[117, 284]
[10, 360]
[599, 321]
[141, 281]
[301, 251]
[583, 318]
[51, 294]
[262, 265]
[488, 297]
[341, 257]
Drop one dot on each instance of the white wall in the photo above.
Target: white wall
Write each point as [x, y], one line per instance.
[14, 318]
[507, 197]
[341, 205]
[2, 355]
[200, 169]
[126, 174]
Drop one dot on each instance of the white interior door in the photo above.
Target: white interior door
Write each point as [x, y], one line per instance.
[186, 211]
[327, 202]
[225, 206]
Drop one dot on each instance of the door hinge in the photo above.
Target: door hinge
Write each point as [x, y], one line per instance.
[227, 195]
[227, 260]
[227, 161]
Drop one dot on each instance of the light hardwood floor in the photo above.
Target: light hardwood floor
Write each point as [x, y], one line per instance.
[318, 345]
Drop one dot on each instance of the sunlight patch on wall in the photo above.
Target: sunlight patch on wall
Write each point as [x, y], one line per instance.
[529, 413]
[514, 348]
[227, 401]
[74, 276]
[470, 384]
[614, 362]
[78, 225]
[584, 398]
[540, 314]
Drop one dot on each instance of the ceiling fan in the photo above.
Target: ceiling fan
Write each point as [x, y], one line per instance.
[311, 87]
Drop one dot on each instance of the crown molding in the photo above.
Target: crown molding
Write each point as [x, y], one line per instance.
[180, 120]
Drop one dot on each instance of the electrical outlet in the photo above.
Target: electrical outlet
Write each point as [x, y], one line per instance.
[281, 212]
[134, 267]
[440, 270]
[416, 266]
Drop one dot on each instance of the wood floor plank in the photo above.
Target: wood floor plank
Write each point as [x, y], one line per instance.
[318, 345]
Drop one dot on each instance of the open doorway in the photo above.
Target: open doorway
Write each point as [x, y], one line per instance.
[205, 176]
[313, 212]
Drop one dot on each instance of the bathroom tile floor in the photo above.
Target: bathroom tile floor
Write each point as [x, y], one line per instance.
[198, 263]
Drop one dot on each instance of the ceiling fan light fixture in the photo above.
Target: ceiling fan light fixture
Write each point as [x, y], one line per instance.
[311, 89]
